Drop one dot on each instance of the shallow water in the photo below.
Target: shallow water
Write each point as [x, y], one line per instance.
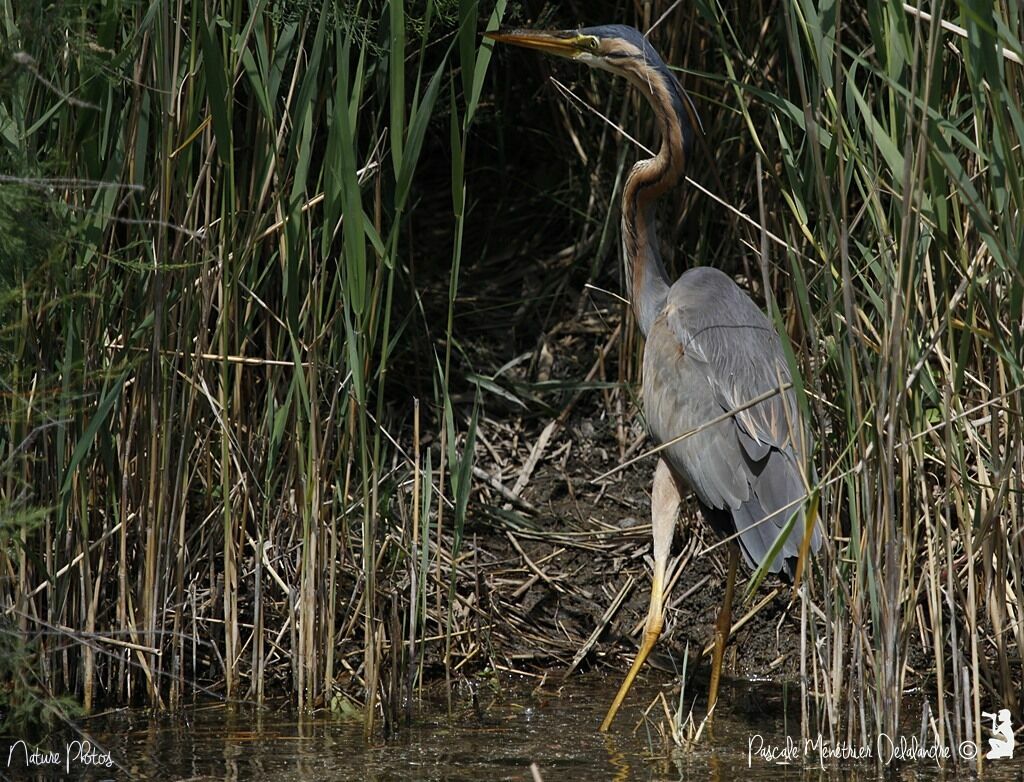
[497, 737]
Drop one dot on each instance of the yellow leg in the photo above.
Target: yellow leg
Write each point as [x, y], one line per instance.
[664, 510]
[722, 628]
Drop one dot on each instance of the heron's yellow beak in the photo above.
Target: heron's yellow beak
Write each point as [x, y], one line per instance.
[560, 44]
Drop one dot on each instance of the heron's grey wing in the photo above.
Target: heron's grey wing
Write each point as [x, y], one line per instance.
[711, 351]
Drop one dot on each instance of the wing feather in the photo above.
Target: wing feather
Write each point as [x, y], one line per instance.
[710, 351]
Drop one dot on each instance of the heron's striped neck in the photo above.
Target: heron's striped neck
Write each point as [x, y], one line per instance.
[646, 280]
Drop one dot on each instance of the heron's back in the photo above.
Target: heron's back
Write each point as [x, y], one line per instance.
[711, 351]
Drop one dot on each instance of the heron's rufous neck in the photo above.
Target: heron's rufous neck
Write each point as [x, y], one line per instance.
[646, 279]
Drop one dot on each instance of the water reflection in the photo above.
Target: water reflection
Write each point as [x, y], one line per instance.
[509, 728]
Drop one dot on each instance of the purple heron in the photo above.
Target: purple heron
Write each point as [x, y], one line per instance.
[717, 390]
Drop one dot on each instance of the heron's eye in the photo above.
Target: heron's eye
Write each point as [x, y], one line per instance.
[593, 44]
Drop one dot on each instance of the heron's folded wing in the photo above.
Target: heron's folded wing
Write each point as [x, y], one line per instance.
[706, 364]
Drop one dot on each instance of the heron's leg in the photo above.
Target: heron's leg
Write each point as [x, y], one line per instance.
[722, 627]
[664, 510]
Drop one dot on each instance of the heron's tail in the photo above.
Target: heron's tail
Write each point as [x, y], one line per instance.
[777, 492]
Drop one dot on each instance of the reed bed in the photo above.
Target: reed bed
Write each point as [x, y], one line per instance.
[299, 300]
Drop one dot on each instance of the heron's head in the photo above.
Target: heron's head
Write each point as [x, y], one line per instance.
[618, 49]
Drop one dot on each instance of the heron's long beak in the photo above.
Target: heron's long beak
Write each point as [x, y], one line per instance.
[561, 44]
